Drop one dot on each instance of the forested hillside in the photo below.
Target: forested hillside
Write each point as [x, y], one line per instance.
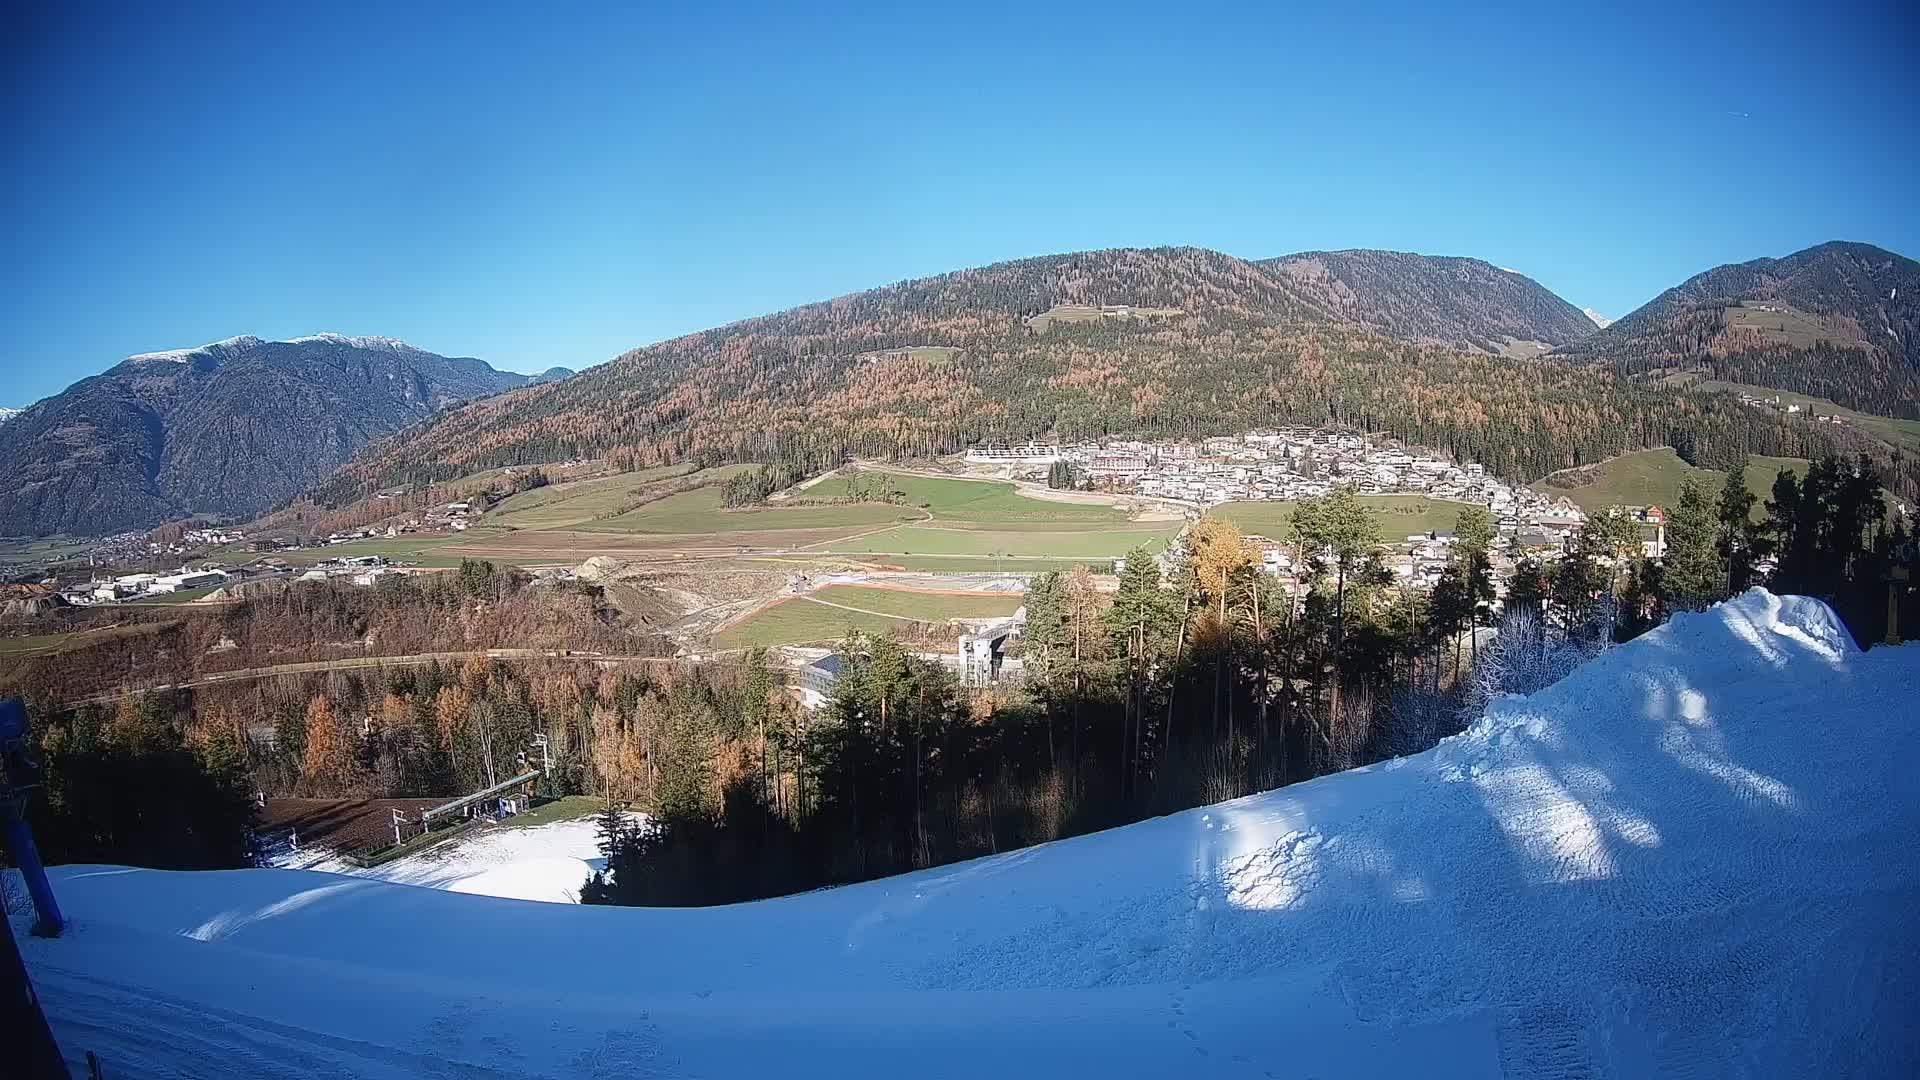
[1456, 301]
[228, 428]
[1839, 321]
[935, 365]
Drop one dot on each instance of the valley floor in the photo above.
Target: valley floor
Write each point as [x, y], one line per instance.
[1693, 857]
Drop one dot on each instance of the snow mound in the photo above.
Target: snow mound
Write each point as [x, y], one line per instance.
[1693, 856]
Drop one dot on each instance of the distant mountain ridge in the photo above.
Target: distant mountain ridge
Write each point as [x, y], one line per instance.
[227, 428]
[1839, 320]
[1445, 299]
[1162, 341]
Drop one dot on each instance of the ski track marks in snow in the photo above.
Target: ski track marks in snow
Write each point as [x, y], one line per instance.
[1692, 857]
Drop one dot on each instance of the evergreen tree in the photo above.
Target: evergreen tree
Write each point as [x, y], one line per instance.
[1338, 525]
[1140, 626]
[1693, 575]
[1473, 551]
[1527, 588]
[1580, 581]
[1737, 530]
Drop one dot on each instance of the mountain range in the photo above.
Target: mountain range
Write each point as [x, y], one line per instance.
[1165, 341]
[1453, 353]
[229, 428]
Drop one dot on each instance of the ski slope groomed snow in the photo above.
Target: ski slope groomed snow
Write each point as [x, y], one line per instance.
[540, 862]
[1694, 857]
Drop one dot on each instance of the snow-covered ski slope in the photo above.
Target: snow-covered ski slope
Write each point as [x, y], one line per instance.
[1694, 857]
[540, 862]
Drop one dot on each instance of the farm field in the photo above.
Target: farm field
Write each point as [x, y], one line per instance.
[987, 564]
[1653, 477]
[421, 548]
[560, 505]
[922, 606]
[39, 643]
[798, 621]
[987, 501]
[29, 549]
[567, 523]
[699, 512]
[1399, 516]
[1787, 325]
[1110, 543]
[569, 547]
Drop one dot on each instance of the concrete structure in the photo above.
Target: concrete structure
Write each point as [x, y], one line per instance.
[1015, 454]
[980, 651]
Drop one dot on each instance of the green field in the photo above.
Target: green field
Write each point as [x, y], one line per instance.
[558, 506]
[38, 643]
[983, 501]
[564, 808]
[970, 503]
[923, 606]
[931, 540]
[1400, 516]
[1787, 325]
[1904, 434]
[698, 512]
[989, 564]
[33, 550]
[1653, 477]
[798, 621]
[31, 643]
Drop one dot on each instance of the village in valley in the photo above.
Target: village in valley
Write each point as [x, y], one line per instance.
[1285, 465]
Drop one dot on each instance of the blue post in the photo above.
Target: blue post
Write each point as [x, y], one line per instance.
[22, 772]
[20, 842]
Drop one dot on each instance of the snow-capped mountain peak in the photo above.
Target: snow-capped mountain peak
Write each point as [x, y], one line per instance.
[8, 414]
[247, 341]
[1599, 320]
[181, 356]
[356, 341]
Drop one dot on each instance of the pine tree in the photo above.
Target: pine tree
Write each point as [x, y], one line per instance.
[610, 831]
[756, 702]
[1472, 550]
[1579, 580]
[1736, 538]
[1140, 624]
[1527, 588]
[1693, 575]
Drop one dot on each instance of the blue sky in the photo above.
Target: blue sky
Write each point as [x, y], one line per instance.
[554, 191]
